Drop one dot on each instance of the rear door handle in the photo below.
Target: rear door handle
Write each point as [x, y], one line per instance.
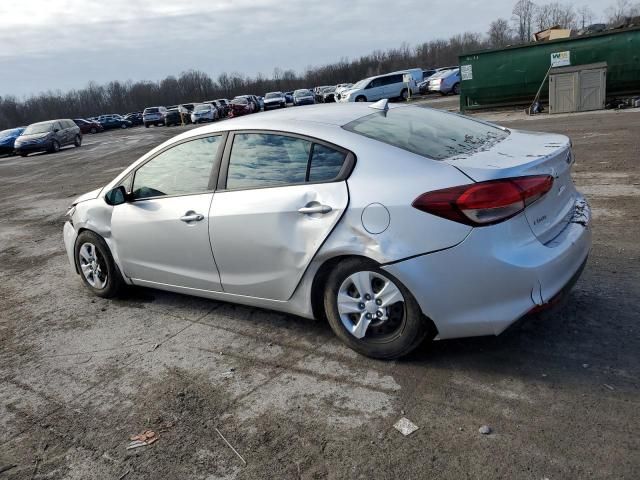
[192, 216]
[315, 209]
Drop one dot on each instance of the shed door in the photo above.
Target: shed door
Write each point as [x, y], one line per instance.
[563, 98]
[592, 89]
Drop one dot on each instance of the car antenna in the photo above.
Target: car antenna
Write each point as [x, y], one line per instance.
[381, 105]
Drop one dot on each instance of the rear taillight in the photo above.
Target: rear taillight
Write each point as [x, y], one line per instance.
[485, 203]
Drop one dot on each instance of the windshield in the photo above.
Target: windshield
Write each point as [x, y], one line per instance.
[151, 110]
[273, 95]
[360, 84]
[428, 132]
[38, 128]
[239, 101]
[302, 93]
[202, 108]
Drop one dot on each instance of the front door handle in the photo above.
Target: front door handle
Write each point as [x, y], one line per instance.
[315, 209]
[192, 216]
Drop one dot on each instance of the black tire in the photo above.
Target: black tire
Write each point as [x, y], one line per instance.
[124, 125]
[361, 98]
[146, 125]
[411, 331]
[93, 130]
[456, 89]
[114, 281]
[404, 94]
[23, 154]
[55, 147]
[77, 141]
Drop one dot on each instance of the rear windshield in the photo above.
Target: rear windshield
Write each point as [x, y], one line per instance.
[151, 110]
[240, 101]
[427, 132]
[273, 95]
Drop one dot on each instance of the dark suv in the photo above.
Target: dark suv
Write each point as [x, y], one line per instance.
[49, 136]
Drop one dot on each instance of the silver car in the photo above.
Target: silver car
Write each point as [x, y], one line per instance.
[395, 223]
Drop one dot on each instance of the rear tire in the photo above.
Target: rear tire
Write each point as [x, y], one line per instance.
[124, 125]
[91, 246]
[456, 89]
[77, 141]
[361, 98]
[392, 334]
[93, 130]
[146, 125]
[23, 154]
[404, 94]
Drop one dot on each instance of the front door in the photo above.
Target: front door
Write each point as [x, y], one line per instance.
[282, 197]
[162, 234]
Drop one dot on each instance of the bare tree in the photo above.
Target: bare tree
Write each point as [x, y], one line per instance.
[500, 33]
[621, 10]
[555, 13]
[585, 16]
[523, 12]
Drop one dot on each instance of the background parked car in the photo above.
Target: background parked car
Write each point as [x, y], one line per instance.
[204, 112]
[389, 85]
[109, 123]
[172, 117]
[328, 94]
[88, 126]
[303, 97]
[274, 100]
[8, 140]
[317, 92]
[224, 103]
[135, 118]
[153, 116]
[240, 106]
[254, 103]
[49, 136]
[445, 82]
[288, 97]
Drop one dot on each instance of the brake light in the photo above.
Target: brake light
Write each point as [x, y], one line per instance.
[485, 203]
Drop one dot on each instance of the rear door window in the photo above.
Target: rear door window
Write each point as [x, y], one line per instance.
[265, 160]
[326, 163]
[260, 160]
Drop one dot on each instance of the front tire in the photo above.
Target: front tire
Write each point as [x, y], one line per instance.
[361, 98]
[77, 141]
[55, 147]
[372, 312]
[456, 89]
[98, 271]
[404, 94]
[94, 130]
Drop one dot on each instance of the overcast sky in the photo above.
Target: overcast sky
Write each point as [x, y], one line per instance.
[63, 44]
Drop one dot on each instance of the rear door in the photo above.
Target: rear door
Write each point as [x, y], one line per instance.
[279, 196]
[162, 233]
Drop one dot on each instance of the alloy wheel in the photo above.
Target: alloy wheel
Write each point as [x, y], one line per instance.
[93, 266]
[371, 305]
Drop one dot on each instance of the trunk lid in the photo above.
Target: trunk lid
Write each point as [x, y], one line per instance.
[530, 153]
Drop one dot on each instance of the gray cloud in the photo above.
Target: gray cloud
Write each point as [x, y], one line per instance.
[120, 40]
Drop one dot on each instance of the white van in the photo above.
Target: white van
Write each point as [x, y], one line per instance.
[389, 85]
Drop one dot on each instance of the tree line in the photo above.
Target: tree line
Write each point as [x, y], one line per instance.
[193, 86]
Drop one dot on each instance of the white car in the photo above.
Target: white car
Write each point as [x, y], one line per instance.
[397, 224]
[204, 112]
[274, 100]
[390, 85]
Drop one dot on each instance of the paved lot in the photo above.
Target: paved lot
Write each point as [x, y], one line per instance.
[79, 375]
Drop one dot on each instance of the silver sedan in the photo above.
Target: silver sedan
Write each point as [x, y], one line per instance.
[395, 223]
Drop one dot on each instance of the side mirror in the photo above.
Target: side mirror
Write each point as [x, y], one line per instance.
[56, 130]
[117, 196]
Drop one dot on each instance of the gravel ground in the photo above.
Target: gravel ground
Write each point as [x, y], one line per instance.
[79, 375]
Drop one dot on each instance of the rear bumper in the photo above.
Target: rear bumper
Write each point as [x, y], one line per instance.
[496, 275]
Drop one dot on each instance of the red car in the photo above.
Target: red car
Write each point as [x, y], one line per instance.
[239, 106]
[87, 126]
